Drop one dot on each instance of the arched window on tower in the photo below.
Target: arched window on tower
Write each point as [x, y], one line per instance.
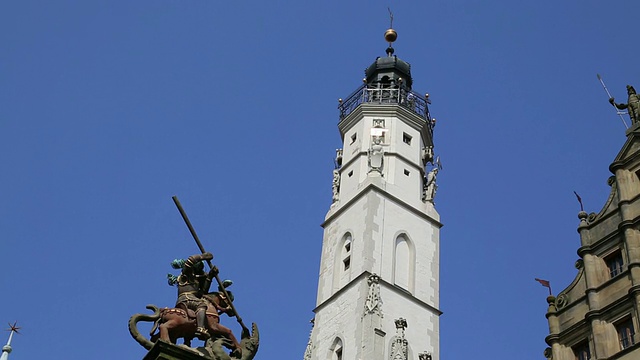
[335, 352]
[403, 263]
[342, 267]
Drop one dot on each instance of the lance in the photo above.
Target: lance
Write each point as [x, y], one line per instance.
[222, 288]
[611, 97]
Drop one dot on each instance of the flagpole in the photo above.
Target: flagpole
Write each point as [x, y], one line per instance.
[545, 283]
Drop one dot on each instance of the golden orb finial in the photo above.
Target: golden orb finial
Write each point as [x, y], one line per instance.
[390, 35]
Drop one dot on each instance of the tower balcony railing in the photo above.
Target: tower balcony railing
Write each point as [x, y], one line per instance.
[368, 94]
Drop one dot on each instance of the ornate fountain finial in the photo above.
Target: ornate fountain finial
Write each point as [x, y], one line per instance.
[390, 35]
[7, 348]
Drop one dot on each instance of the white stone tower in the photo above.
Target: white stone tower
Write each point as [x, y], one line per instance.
[378, 290]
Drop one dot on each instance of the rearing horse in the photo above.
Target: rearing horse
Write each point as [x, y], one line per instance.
[174, 323]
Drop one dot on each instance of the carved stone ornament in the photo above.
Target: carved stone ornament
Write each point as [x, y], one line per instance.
[425, 356]
[429, 186]
[548, 353]
[336, 185]
[378, 123]
[399, 345]
[427, 155]
[338, 159]
[309, 350]
[310, 346]
[376, 155]
[561, 301]
[373, 303]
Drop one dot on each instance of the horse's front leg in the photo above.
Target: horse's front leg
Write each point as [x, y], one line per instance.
[164, 330]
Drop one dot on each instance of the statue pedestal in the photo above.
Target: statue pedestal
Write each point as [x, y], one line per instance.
[165, 351]
[633, 128]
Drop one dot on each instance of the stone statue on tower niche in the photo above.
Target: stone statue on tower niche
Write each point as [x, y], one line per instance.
[336, 185]
[430, 187]
[632, 105]
[376, 155]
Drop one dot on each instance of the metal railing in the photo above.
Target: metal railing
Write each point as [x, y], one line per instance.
[408, 99]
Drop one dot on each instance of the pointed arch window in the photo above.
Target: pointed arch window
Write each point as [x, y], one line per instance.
[343, 262]
[335, 352]
[346, 253]
[403, 263]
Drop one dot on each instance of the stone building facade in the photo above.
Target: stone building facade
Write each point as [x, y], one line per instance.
[378, 288]
[597, 315]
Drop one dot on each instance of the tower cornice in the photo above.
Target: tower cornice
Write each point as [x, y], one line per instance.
[371, 186]
[362, 277]
[386, 110]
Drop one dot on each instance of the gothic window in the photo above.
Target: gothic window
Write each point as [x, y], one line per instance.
[614, 263]
[335, 352]
[626, 334]
[342, 264]
[581, 351]
[346, 252]
[403, 263]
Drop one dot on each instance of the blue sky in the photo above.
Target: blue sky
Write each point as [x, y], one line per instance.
[108, 108]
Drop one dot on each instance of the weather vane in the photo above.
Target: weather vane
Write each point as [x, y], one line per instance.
[6, 350]
[390, 35]
[14, 328]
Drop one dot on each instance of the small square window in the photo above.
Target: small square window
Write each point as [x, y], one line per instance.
[406, 138]
[347, 263]
[406, 172]
[581, 351]
[347, 246]
[354, 137]
[350, 173]
[614, 263]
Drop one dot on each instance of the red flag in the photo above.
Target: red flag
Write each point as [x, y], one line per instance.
[544, 283]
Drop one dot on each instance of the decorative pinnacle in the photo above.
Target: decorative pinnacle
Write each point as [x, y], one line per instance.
[390, 35]
[14, 327]
[7, 348]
